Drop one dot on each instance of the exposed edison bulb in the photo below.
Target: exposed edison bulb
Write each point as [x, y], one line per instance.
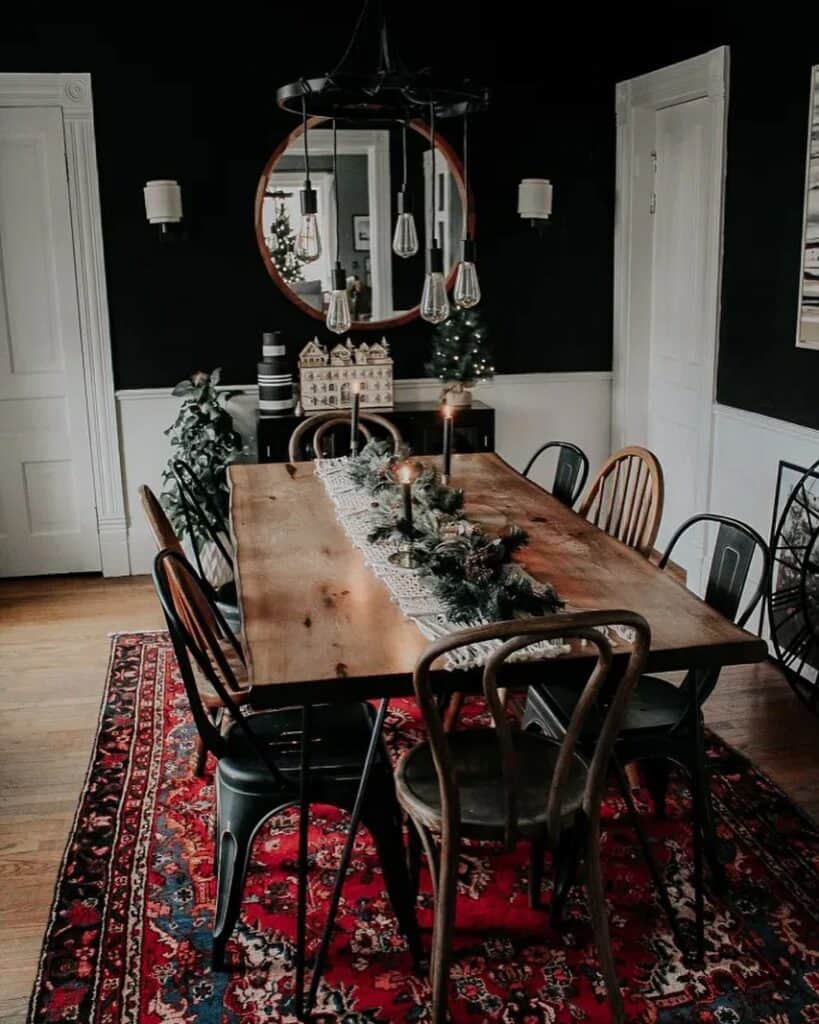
[405, 239]
[434, 301]
[308, 241]
[467, 292]
[338, 311]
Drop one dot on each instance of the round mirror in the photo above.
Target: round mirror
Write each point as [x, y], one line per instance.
[384, 289]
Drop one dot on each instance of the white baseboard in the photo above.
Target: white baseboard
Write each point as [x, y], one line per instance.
[531, 408]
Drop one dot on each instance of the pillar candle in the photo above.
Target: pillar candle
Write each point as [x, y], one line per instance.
[448, 413]
[405, 477]
[354, 419]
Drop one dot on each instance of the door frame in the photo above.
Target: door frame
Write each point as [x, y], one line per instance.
[72, 94]
[704, 76]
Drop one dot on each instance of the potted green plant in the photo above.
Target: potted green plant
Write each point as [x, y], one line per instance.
[203, 436]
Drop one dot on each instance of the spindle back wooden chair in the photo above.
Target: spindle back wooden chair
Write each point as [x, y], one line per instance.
[502, 783]
[194, 606]
[314, 430]
[625, 499]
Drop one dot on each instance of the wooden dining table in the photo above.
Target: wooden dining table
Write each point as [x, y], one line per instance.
[319, 625]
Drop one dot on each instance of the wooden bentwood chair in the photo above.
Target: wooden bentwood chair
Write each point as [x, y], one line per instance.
[505, 784]
[258, 765]
[209, 609]
[571, 470]
[663, 722]
[625, 499]
[307, 439]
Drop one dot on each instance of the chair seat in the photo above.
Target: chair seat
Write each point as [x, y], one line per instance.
[477, 764]
[654, 704]
[340, 736]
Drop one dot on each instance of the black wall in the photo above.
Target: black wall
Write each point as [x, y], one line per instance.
[197, 105]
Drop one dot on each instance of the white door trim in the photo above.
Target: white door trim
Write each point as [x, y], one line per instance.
[72, 94]
[705, 76]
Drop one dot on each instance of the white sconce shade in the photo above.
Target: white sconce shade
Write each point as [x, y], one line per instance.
[535, 198]
[163, 202]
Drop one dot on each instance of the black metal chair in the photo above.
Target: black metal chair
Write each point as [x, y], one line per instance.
[258, 765]
[571, 471]
[204, 519]
[663, 722]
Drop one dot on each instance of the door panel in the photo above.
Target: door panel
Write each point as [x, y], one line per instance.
[681, 366]
[47, 515]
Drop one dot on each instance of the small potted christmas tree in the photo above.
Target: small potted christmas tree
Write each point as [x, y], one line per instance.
[460, 355]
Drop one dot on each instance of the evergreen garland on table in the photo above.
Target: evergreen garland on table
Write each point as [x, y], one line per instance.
[470, 571]
[460, 352]
[281, 243]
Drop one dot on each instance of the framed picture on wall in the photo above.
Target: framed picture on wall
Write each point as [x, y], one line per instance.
[807, 332]
[361, 232]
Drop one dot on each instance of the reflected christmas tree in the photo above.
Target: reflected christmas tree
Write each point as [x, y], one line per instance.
[281, 241]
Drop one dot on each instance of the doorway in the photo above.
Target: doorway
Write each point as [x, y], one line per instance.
[61, 502]
[668, 256]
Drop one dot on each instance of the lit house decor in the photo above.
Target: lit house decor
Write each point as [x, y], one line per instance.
[328, 378]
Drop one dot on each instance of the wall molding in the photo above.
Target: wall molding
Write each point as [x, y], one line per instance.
[792, 430]
[72, 94]
[402, 385]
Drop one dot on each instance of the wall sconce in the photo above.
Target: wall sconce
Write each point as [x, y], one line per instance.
[535, 201]
[163, 203]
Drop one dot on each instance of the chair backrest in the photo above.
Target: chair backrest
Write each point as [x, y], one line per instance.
[626, 498]
[315, 428]
[734, 549]
[166, 539]
[515, 635]
[203, 517]
[571, 470]
[180, 593]
[158, 523]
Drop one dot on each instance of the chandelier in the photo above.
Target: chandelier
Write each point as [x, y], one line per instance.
[386, 91]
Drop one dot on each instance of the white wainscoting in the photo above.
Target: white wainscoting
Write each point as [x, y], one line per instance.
[746, 456]
[745, 459]
[530, 408]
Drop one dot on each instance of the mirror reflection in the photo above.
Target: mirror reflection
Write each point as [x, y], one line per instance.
[382, 287]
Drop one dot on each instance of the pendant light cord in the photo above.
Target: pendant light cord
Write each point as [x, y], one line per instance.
[335, 186]
[304, 133]
[404, 143]
[466, 178]
[432, 181]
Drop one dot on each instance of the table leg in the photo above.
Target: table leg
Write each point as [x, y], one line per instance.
[304, 821]
[346, 853]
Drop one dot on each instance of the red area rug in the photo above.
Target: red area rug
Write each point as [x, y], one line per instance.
[128, 939]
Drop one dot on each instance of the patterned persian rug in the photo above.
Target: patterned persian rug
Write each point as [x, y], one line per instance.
[128, 939]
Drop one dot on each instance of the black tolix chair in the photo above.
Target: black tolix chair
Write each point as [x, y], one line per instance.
[258, 766]
[663, 722]
[571, 470]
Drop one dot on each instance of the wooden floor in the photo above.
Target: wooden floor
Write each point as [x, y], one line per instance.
[54, 650]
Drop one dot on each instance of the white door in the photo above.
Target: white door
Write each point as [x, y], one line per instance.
[48, 520]
[668, 340]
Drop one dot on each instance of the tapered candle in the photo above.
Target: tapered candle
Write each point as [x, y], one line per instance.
[448, 412]
[405, 477]
[354, 420]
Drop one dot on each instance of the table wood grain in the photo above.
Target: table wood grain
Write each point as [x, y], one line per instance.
[319, 624]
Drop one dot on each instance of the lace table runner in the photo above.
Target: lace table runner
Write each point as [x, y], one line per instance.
[358, 512]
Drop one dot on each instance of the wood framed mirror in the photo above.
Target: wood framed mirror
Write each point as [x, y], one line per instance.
[384, 289]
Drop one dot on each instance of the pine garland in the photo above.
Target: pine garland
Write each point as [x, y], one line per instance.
[470, 571]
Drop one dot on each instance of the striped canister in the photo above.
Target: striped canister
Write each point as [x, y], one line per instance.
[275, 378]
